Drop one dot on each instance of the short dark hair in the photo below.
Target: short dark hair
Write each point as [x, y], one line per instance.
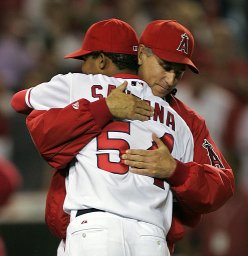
[121, 60]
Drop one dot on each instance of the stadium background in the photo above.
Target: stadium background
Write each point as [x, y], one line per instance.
[34, 37]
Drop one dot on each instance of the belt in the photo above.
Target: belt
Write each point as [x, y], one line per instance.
[84, 211]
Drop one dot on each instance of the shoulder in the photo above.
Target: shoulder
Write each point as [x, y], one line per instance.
[188, 114]
[194, 121]
[93, 79]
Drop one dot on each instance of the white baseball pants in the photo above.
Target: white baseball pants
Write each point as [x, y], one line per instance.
[105, 234]
[61, 249]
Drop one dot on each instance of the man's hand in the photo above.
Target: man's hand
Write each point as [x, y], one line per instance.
[127, 106]
[157, 163]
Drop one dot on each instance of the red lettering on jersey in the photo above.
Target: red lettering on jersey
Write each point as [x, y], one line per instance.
[158, 113]
[168, 140]
[159, 183]
[94, 93]
[170, 121]
[105, 143]
[110, 88]
[184, 44]
[96, 90]
[214, 159]
[148, 101]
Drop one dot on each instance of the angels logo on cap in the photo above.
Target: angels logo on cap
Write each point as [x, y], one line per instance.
[184, 44]
[170, 41]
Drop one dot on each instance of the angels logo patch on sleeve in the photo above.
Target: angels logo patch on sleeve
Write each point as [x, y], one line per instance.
[213, 157]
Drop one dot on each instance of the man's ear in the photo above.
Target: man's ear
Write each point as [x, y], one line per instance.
[102, 61]
[140, 53]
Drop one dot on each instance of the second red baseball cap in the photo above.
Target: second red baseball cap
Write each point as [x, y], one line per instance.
[170, 41]
[112, 35]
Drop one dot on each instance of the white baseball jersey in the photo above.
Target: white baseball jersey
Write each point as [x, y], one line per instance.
[98, 178]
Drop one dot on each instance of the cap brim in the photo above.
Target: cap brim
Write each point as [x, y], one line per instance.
[77, 54]
[177, 58]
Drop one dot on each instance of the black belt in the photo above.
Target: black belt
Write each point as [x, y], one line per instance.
[84, 211]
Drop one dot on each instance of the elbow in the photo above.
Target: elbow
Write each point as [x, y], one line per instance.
[18, 103]
[55, 160]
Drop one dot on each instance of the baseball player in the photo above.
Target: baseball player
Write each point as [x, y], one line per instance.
[105, 201]
[177, 105]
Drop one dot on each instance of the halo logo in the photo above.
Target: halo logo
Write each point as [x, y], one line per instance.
[214, 159]
[184, 44]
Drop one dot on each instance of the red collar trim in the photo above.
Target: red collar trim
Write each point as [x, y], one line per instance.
[130, 76]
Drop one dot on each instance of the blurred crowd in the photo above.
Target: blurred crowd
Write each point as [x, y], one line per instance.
[36, 34]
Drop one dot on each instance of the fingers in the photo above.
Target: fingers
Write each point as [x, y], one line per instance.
[141, 116]
[139, 165]
[158, 141]
[142, 107]
[143, 104]
[125, 106]
[122, 87]
[142, 110]
[132, 157]
[137, 152]
[138, 158]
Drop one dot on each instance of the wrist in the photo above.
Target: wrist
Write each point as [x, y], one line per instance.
[109, 105]
[173, 166]
[179, 175]
[101, 112]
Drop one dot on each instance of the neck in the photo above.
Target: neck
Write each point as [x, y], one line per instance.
[125, 71]
[119, 71]
[129, 71]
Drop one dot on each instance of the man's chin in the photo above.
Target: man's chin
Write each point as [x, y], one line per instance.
[160, 92]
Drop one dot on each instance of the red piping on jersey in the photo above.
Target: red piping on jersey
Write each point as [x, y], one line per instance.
[128, 76]
[29, 95]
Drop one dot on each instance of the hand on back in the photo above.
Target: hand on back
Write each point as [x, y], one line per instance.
[126, 106]
[156, 163]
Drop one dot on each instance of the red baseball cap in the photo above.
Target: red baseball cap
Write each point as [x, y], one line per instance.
[110, 35]
[170, 41]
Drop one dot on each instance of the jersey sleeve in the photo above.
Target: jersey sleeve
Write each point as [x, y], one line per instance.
[52, 94]
[60, 133]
